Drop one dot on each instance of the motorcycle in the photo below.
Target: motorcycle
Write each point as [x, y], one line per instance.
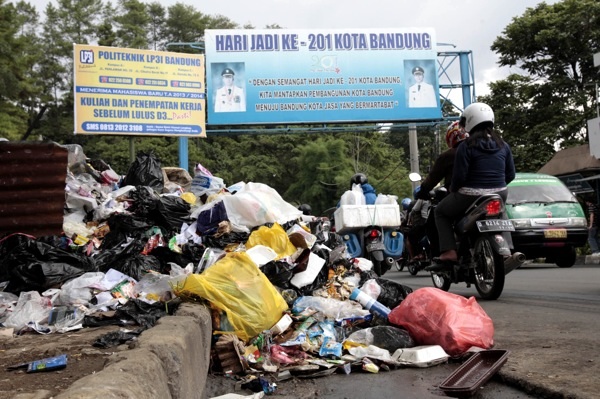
[382, 246]
[484, 247]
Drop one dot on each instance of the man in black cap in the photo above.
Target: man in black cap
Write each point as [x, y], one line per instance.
[421, 94]
[229, 98]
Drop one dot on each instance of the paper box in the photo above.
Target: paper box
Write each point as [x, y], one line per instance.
[353, 217]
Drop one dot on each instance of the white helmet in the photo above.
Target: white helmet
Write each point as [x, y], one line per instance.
[475, 114]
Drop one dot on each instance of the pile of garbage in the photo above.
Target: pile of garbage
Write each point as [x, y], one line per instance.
[286, 298]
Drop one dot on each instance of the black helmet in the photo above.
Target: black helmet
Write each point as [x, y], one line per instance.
[359, 178]
[305, 208]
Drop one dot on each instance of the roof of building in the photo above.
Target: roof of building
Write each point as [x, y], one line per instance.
[572, 160]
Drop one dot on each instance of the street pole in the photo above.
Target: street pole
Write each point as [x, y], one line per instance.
[414, 151]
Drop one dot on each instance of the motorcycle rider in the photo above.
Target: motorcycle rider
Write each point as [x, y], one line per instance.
[444, 164]
[368, 190]
[483, 164]
[441, 170]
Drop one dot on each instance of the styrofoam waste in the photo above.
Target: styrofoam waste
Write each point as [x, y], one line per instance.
[302, 279]
[420, 356]
[352, 217]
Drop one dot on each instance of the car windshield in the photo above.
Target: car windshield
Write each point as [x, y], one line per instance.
[539, 194]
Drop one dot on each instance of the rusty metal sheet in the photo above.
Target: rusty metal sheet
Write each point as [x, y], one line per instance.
[32, 188]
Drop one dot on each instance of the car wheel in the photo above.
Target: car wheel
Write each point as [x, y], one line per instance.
[567, 258]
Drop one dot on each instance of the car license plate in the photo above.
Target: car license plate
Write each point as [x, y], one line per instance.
[495, 225]
[375, 246]
[555, 233]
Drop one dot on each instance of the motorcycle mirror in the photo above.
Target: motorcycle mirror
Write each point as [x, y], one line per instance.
[414, 177]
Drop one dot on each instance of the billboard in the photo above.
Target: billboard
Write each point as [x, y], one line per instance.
[297, 76]
[138, 92]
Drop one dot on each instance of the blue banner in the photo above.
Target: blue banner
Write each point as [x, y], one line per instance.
[319, 76]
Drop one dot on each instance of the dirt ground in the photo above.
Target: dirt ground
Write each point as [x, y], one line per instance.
[82, 359]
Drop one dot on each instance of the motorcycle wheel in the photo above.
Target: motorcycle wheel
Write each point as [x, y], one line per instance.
[377, 267]
[400, 265]
[489, 269]
[441, 281]
[413, 269]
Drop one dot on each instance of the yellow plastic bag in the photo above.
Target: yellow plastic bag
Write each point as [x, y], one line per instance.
[236, 285]
[275, 238]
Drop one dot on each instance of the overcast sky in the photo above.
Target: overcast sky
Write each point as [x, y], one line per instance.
[468, 24]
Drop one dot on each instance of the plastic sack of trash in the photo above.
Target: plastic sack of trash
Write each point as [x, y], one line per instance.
[384, 337]
[31, 307]
[436, 317]
[145, 171]
[256, 204]
[204, 183]
[273, 237]
[236, 285]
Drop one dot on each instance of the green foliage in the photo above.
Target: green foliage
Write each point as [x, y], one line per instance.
[554, 45]
[548, 104]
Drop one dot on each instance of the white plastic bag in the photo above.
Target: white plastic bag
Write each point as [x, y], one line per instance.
[257, 204]
[205, 183]
[31, 307]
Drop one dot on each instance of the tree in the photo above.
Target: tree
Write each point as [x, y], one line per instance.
[133, 24]
[322, 166]
[554, 44]
[157, 25]
[525, 116]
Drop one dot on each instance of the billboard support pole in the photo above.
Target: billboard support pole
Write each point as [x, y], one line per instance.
[131, 149]
[414, 151]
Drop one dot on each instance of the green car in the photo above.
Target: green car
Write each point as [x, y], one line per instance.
[549, 221]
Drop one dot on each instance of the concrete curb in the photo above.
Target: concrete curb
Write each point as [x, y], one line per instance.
[589, 260]
[170, 360]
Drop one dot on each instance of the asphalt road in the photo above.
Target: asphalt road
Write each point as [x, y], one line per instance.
[547, 317]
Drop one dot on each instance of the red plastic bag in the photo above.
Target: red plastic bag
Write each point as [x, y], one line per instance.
[436, 317]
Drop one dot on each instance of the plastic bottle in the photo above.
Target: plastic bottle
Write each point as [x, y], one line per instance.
[370, 303]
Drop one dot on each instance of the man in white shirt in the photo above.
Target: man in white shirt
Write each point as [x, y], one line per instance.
[229, 98]
[421, 94]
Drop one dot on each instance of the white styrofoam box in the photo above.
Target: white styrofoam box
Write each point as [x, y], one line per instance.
[351, 217]
[421, 356]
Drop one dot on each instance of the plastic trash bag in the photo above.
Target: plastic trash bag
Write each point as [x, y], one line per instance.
[235, 285]
[31, 307]
[392, 293]
[36, 266]
[273, 237]
[436, 317]
[204, 183]
[385, 337]
[76, 291]
[145, 171]
[257, 204]
[330, 307]
[171, 213]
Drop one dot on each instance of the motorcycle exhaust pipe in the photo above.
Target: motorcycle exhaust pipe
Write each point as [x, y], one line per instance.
[513, 261]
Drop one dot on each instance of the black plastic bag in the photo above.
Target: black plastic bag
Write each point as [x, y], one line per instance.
[165, 257]
[145, 314]
[389, 338]
[145, 171]
[109, 258]
[116, 338]
[138, 265]
[171, 212]
[279, 273]
[36, 266]
[392, 293]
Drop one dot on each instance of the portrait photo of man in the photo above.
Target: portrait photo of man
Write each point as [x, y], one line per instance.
[229, 97]
[421, 94]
